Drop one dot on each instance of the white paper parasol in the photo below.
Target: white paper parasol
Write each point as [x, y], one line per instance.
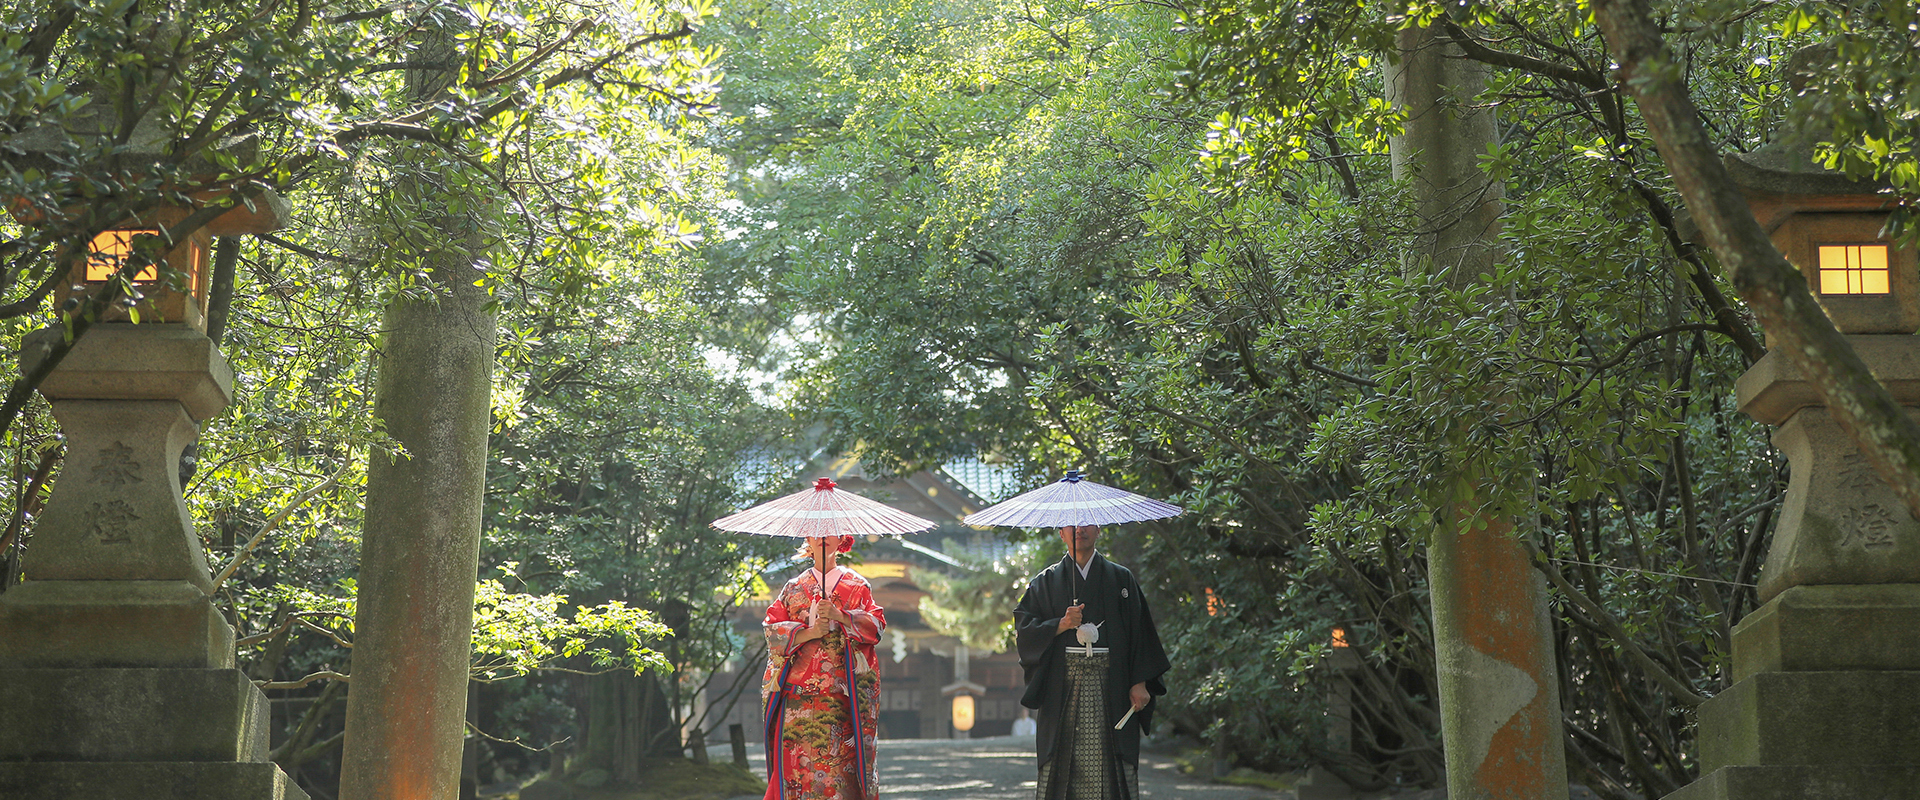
[1073, 500]
[823, 511]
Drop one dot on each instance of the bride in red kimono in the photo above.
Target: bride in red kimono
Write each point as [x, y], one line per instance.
[819, 734]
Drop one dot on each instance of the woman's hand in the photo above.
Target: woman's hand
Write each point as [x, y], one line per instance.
[826, 611]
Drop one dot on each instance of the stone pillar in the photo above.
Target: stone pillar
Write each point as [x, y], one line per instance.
[1827, 694]
[420, 551]
[1499, 701]
[1339, 668]
[117, 675]
[1341, 665]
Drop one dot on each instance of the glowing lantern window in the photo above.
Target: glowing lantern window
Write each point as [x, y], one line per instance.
[181, 297]
[963, 712]
[109, 253]
[1853, 269]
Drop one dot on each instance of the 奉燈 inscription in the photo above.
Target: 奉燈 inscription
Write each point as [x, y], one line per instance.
[116, 466]
[113, 522]
[1868, 527]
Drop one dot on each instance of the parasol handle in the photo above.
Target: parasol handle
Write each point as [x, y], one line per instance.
[820, 592]
[1073, 552]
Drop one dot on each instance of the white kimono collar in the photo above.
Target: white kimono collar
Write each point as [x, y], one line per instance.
[831, 574]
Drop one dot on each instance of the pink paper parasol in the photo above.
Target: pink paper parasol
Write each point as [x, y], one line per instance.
[1073, 500]
[823, 511]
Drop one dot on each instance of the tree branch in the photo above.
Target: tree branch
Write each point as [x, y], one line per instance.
[30, 499]
[1486, 55]
[278, 518]
[287, 622]
[305, 251]
[323, 675]
[1678, 688]
[538, 57]
[396, 130]
[1306, 360]
[1627, 349]
[1731, 324]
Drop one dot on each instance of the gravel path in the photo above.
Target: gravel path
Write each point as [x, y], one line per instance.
[1002, 768]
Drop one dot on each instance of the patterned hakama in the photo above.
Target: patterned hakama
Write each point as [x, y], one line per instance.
[1080, 769]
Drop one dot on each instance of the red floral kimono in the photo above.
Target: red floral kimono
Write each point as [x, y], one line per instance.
[813, 749]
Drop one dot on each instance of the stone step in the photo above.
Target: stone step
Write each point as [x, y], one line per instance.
[1814, 718]
[131, 715]
[1804, 783]
[146, 781]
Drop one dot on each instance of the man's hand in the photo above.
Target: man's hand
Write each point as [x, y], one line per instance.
[1072, 618]
[1139, 695]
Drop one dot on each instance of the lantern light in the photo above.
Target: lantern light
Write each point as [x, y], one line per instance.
[1865, 282]
[153, 297]
[1853, 269]
[109, 254]
[963, 712]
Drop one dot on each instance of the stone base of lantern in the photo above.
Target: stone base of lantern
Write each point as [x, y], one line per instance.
[105, 715]
[1828, 688]
[1804, 783]
[116, 671]
[71, 624]
[122, 689]
[146, 781]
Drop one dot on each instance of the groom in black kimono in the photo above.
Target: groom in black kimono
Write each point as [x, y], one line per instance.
[1082, 692]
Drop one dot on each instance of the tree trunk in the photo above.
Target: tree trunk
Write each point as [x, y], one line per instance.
[420, 550]
[627, 721]
[1499, 704]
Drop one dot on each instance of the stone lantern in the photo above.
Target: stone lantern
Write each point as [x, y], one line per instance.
[1840, 523]
[117, 673]
[1827, 669]
[1339, 671]
[961, 692]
